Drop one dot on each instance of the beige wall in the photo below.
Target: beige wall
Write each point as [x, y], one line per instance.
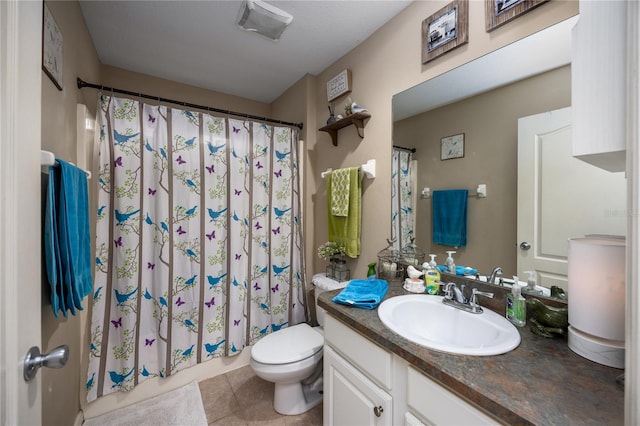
[386, 63]
[490, 124]
[61, 389]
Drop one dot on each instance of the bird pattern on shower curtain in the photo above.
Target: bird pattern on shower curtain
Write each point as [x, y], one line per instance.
[402, 218]
[198, 240]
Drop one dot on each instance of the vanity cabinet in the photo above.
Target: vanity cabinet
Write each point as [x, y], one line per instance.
[435, 405]
[365, 384]
[357, 378]
[350, 398]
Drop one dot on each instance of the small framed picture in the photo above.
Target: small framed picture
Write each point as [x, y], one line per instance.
[452, 147]
[51, 48]
[499, 12]
[445, 30]
[339, 85]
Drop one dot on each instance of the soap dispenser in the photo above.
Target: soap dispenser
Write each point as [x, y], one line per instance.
[531, 284]
[431, 276]
[516, 307]
[451, 266]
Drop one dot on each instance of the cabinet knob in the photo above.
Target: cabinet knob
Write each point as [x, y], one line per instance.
[378, 411]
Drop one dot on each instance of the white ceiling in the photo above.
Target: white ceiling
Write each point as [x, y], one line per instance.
[198, 43]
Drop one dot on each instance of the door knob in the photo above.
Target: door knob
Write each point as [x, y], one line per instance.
[525, 245]
[57, 358]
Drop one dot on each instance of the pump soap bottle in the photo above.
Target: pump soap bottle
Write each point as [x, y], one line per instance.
[451, 266]
[531, 284]
[516, 307]
[431, 275]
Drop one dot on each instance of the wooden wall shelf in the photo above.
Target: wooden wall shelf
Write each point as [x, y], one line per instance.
[356, 119]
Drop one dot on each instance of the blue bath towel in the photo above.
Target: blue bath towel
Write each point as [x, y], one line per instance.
[450, 217]
[365, 294]
[67, 237]
[460, 270]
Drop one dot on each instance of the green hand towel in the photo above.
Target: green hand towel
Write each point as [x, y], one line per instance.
[347, 229]
[340, 192]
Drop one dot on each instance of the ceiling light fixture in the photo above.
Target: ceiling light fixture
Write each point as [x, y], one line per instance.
[263, 18]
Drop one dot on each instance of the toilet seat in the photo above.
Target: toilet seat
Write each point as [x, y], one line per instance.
[291, 344]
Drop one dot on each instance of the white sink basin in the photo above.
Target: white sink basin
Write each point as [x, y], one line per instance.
[425, 320]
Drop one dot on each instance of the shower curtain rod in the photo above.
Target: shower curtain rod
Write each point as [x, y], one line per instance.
[82, 83]
[413, 150]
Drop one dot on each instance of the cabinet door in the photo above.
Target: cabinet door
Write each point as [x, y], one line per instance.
[350, 398]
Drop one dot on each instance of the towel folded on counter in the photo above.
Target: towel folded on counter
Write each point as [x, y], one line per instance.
[460, 270]
[450, 217]
[67, 239]
[365, 294]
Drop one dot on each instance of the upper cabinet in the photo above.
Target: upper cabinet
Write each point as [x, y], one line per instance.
[598, 81]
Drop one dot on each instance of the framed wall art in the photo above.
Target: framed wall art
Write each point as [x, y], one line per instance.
[51, 47]
[445, 30]
[339, 85]
[452, 147]
[499, 12]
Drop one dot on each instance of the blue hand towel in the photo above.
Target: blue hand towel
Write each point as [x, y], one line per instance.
[460, 270]
[67, 238]
[365, 294]
[450, 217]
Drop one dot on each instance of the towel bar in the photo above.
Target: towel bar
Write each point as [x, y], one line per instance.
[49, 159]
[368, 169]
[481, 192]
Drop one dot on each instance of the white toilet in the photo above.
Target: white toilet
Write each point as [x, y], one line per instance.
[292, 359]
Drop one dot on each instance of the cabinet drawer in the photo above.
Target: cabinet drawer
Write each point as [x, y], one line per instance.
[438, 405]
[374, 361]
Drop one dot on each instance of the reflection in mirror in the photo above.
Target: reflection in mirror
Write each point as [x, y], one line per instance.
[476, 100]
[403, 169]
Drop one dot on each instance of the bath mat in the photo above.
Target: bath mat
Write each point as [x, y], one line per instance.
[179, 407]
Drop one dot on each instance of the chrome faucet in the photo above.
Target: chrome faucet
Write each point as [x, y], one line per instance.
[454, 296]
[496, 271]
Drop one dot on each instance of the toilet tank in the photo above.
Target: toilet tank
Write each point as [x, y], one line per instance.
[323, 283]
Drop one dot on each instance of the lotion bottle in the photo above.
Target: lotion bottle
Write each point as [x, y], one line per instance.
[516, 307]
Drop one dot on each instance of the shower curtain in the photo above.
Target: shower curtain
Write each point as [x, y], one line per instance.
[402, 221]
[198, 240]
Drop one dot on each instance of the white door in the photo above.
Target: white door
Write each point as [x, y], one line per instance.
[560, 197]
[350, 398]
[20, 211]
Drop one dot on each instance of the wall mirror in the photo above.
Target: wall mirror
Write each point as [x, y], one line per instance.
[484, 99]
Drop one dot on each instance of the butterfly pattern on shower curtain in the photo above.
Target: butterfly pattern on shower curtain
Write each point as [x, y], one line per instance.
[198, 240]
[402, 217]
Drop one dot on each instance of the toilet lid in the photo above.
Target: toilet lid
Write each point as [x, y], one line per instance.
[287, 345]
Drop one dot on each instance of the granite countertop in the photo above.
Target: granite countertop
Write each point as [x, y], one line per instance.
[540, 382]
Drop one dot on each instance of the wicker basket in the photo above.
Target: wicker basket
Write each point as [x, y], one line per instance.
[393, 263]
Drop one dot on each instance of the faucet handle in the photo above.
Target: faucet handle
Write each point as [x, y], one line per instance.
[448, 290]
[474, 301]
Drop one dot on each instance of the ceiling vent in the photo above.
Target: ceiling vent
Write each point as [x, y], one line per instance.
[263, 18]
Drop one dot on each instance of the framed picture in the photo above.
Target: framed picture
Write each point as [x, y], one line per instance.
[51, 48]
[452, 147]
[445, 30]
[499, 12]
[339, 85]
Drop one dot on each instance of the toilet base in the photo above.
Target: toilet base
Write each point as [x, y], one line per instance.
[295, 398]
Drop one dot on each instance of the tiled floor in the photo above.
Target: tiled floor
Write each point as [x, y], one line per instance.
[241, 398]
